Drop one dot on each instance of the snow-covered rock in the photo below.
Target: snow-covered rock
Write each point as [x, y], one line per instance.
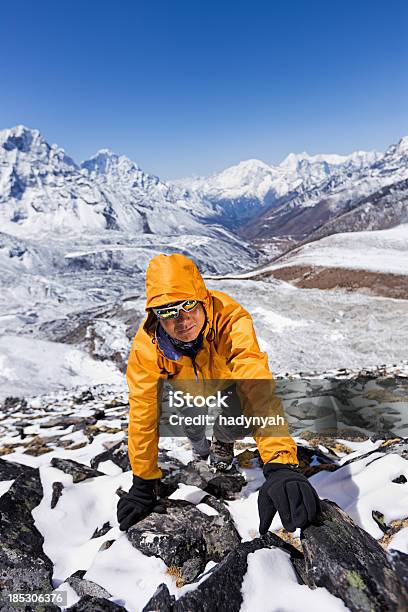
[60, 526]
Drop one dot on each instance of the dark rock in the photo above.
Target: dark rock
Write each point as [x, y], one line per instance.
[399, 563]
[118, 453]
[117, 403]
[400, 479]
[14, 403]
[400, 447]
[10, 470]
[78, 471]
[28, 608]
[84, 423]
[184, 533]
[218, 505]
[65, 421]
[221, 590]
[161, 600]
[57, 488]
[106, 544]
[83, 587]
[87, 603]
[309, 455]
[191, 569]
[102, 530]
[225, 486]
[21, 433]
[85, 396]
[171, 479]
[78, 574]
[350, 563]
[197, 473]
[171, 469]
[378, 517]
[99, 414]
[384, 435]
[24, 567]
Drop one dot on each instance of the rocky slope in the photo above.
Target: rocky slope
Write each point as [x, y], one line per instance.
[64, 463]
[374, 261]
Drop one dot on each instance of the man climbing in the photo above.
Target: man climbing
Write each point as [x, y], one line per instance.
[193, 333]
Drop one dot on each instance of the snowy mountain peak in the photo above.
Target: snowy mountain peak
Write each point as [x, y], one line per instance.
[397, 154]
[20, 138]
[293, 158]
[249, 165]
[20, 145]
[106, 162]
[110, 168]
[402, 146]
[359, 158]
[249, 171]
[296, 160]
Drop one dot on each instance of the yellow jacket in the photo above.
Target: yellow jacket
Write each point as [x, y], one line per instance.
[230, 351]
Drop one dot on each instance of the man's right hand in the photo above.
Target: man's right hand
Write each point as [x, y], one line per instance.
[137, 503]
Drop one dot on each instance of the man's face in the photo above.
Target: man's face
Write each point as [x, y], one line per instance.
[187, 325]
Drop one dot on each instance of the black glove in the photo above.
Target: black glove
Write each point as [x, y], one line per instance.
[288, 492]
[137, 503]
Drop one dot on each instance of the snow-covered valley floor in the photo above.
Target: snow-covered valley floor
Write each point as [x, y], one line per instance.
[48, 342]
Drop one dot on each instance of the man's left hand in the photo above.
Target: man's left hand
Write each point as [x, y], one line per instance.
[288, 492]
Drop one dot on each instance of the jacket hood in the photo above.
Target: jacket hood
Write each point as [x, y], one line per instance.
[172, 278]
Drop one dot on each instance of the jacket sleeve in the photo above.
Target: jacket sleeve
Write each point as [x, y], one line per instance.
[143, 375]
[248, 364]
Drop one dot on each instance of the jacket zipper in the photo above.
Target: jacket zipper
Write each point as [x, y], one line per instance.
[194, 367]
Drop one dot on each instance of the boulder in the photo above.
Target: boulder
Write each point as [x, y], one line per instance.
[118, 453]
[83, 587]
[84, 397]
[184, 534]
[101, 530]
[25, 568]
[65, 421]
[399, 563]
[12, 404]
[87, 603]
[221, 590]
[398, 446]
[350, 563]
[223, 485]
[57, 489]
[161, 600]
[78, 471]
[10, 470]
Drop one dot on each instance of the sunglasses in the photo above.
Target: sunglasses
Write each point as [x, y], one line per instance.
[172, 312]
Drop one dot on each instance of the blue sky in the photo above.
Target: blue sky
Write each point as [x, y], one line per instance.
[189, 87]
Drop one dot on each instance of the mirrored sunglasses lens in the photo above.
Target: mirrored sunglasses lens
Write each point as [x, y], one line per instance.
[168, 313]
[189, 305]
